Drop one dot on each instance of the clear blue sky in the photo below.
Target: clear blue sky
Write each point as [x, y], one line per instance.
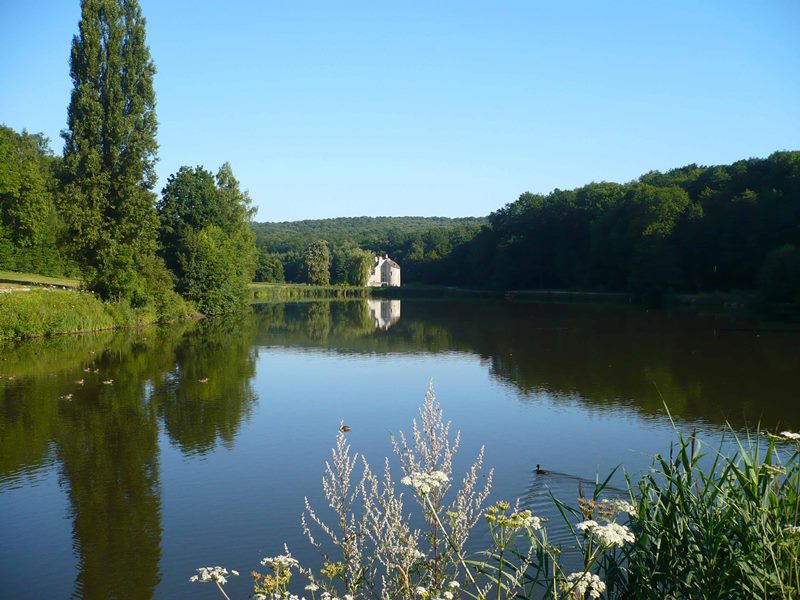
[434, 108]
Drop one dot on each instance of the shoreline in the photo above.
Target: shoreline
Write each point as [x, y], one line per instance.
[47, 312]
[44, 312]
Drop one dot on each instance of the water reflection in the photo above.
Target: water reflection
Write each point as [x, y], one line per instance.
[94, 404]
[193, 384]
[705, 368]
[385, 313]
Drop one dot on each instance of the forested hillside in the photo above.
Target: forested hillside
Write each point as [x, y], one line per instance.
[726, 227]
[690, 229]
[419, 243]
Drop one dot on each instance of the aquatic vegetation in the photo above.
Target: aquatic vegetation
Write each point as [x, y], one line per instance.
[687, 529]
[717, 521]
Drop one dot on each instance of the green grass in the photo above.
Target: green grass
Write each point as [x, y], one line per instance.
[279, 292]
[11, 277]
[299, 291]
[43, 312]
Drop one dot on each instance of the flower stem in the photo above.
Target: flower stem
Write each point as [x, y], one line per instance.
[221, 591]
[449, 541]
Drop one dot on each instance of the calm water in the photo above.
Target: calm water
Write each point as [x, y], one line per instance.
[123, 489]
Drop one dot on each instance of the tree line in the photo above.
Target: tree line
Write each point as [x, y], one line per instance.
[92, 212]
[419, 244]
[691, 229]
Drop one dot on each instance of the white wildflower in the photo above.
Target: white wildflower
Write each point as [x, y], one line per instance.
[583, 526]
[312, 587]
[448, 595]
[216, 574]
[789, 435]
[425, 482]
[579, 583]
[454, 584]
[283, 562]
[421, 591]
[612, 534]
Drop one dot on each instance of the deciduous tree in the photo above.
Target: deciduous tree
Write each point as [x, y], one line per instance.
[110, 147]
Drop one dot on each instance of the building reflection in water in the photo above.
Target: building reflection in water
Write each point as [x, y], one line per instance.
[385, 313]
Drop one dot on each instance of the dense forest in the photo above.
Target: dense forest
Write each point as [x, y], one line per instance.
[691, 229]
[419, 243]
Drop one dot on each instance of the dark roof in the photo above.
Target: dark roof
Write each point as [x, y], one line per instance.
[392, 263]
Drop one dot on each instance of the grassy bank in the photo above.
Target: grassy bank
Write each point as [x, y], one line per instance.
[11, 277]
[45, 312]
[298, 291]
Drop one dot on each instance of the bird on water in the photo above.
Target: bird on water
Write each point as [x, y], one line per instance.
[345, 428]
[540, 471]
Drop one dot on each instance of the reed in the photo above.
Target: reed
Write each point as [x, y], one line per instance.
[715, 524]
[280, 292]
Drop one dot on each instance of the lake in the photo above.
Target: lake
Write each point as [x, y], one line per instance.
[129, 459]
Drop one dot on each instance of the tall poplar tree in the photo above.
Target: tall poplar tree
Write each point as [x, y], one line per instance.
[110, 150]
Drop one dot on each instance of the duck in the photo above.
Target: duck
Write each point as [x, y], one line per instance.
[79, 381]
[204, 380]
[345, 428]
[539, 470]
[108, 382]
[66, 397]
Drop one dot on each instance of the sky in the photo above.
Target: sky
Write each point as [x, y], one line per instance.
[447, 108]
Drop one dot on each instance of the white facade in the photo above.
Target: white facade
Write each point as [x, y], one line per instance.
[385, 272]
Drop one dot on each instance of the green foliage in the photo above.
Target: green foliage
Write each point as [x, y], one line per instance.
[206, 238]
[417, 243]
[110, 148]
[214, 276]
[780, 275]
[378, 234]
[317, 263]
[351, 265]
[690, 229]
[724, 528]
[49, 312]
[26, 185]
[31, 231]
[269, 268]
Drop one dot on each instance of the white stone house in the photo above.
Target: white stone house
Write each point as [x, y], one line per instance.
[385, 272]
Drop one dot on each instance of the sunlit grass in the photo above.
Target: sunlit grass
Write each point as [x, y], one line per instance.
[12, 277]
[49, 312]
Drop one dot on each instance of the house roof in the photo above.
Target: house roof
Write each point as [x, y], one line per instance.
[392, 263]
